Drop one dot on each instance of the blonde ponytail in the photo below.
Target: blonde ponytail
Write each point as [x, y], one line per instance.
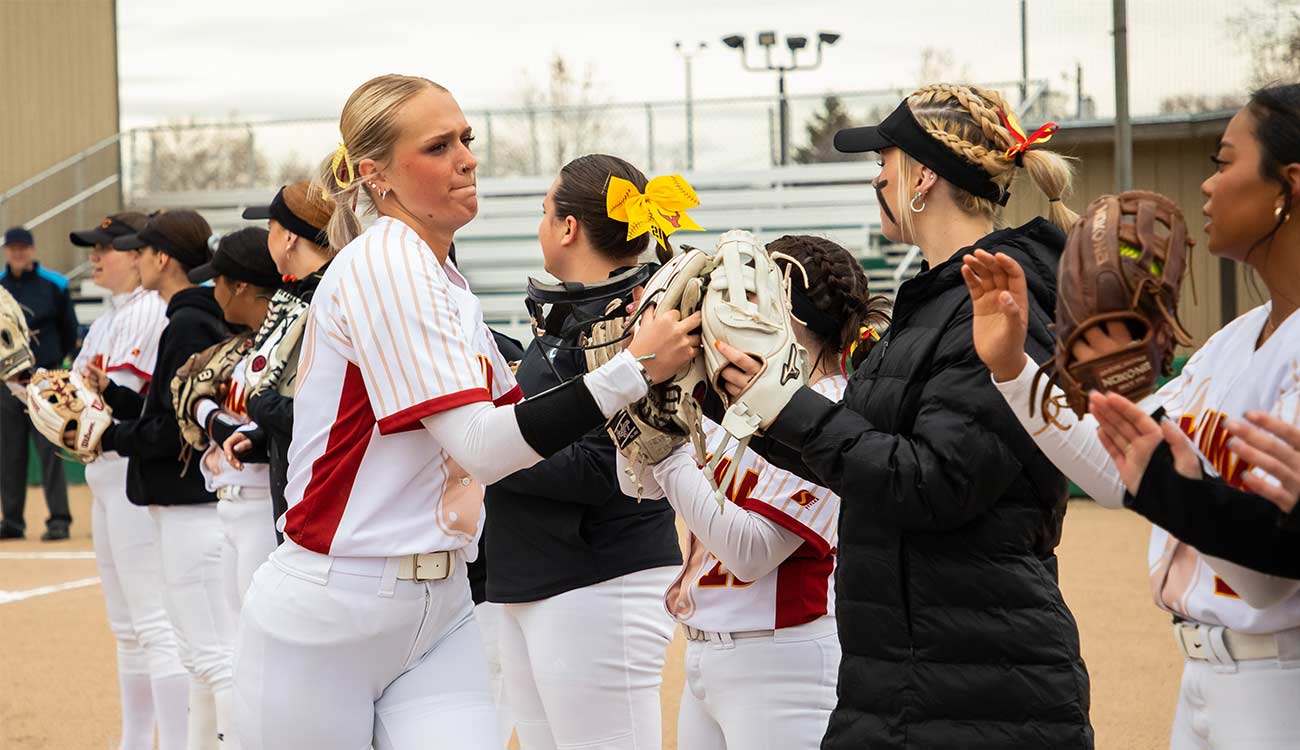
[969, 121]
[369, 128]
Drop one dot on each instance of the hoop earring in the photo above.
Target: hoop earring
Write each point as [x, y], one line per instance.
[913, 206]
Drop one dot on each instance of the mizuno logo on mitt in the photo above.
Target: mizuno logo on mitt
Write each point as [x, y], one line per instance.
[790, 370]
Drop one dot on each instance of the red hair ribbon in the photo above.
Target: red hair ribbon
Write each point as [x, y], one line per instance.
[1024, 142]
[865, 333]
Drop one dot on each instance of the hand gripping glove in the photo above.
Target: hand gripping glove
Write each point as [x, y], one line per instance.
[15, 339]
[1123, 262]
[273, 359]
[68, 413]
[202, 376]
[746, 304]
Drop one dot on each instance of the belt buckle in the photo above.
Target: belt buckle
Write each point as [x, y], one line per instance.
[1191, 642]
[426, 567]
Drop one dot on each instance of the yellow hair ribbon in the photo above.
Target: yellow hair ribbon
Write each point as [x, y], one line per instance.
[660, 211]
[341, 158]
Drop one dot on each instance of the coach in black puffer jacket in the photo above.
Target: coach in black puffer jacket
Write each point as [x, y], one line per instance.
[953, 629]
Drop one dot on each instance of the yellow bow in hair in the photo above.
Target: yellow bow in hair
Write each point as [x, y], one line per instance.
[660, 211]
[341, 159]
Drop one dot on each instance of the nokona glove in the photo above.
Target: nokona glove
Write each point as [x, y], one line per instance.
[1123, 263]
[202, 376]
[68, 413]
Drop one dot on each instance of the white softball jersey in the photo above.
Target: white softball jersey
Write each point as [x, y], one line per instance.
[217, 471]
[802, 588]
[392, 337]
[1225, 379]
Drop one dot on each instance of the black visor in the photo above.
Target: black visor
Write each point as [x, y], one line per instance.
[902, 130]
[279, 210]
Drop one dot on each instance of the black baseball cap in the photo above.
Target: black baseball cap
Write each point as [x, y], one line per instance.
[19, 236]
[112, 227]
[901, 129]
[241, 255]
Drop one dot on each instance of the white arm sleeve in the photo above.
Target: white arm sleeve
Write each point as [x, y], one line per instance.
[748, 545]
[485, 440]
[1076, 450]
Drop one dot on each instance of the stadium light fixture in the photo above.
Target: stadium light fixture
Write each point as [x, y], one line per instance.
[827, 38]
[735, 41]
[796, 43]
[766, 38]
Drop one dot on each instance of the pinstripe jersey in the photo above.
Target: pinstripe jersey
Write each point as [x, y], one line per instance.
[800, 589]
[391, 337]
[124, 340]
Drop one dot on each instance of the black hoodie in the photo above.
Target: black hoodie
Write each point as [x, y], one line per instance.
[159, 471]
[952, 625]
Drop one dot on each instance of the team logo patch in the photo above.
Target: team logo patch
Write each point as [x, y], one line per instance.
[258, 364]
[1221, 588]
[804, 498]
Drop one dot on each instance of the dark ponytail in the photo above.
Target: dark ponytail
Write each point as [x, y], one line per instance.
[837, 286]
[580, 193]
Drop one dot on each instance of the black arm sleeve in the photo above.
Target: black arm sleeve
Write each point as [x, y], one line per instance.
[582, 473]
[1216, 519]
[125, 403]
[948, 469]
[554, 419]
[271, 411]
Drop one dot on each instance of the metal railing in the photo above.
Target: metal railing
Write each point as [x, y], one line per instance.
[76, 162]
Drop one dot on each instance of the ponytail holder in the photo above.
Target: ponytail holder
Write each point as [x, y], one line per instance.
[341, 159]
[865, 333]
[1023, 142]
[660, 211]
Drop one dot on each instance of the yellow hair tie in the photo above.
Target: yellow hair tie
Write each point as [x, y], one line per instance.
[660, 211]
[341, 157]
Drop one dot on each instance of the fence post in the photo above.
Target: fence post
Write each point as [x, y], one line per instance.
[154, 181]
[771, 136]
[650, 135]
[487, 128]
[532, 134]
[252, 158]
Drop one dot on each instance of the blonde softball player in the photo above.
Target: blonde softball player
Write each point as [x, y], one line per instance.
[123, 342]
[755, 597]
[245, 277]
[359, 630]
[1237, 630]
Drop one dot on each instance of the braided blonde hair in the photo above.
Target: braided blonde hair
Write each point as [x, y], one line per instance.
[966, 120]
[369, 128]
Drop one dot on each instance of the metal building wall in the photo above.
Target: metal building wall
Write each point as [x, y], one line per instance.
[58, 96]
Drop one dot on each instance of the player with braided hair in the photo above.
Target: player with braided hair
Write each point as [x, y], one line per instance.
[955, 630]
[755, 596]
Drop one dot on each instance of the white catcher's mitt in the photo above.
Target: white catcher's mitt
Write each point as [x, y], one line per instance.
[68, 413]
[15, 339]
[647, 431]
[273, 360]
[746, 304]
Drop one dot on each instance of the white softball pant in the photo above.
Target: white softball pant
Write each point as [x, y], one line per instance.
[336, 654]
[583, 668]
[245, 514]
[154, 684]
[765, 693]
[1249, 705]
[489, 616]
[192, 542]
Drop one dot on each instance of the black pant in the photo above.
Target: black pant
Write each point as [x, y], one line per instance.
[15, 429]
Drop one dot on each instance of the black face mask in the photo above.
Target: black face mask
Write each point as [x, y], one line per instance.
[553, 308]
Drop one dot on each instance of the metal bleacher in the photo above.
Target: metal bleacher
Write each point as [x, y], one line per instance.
[498, 251]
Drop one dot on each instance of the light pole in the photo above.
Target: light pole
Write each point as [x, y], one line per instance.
[767, 40]
[689, 55]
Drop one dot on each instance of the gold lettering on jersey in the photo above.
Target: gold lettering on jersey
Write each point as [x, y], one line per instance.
[486, 366]
[1213, 444]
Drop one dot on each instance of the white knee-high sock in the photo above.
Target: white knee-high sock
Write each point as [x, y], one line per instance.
[203, 718]
[137, 711]
[171, 707]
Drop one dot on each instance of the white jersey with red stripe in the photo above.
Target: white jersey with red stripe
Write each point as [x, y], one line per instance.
[217, 471]
[391, 337]
[124, 339]
[1225, 379]
[800, 589]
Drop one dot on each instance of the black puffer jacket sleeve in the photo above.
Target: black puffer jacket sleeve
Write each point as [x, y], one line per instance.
[125, 403]
[948, 469]
[272, 411]
[1216, 519]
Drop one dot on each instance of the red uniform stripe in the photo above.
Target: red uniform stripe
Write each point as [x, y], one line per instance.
[313, 522]
[409, 418]
[803, 587]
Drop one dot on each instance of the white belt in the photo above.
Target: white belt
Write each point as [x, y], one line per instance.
[695, 634]
[429, 566]
[236, 492]
[1222, 646]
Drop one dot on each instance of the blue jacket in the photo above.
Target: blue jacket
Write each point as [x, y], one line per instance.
[47, 301]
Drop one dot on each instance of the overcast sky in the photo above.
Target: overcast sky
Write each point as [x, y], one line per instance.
[299, 58]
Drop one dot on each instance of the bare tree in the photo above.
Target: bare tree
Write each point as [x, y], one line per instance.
[1271, 35]
[1192, 103]
[940, 66]
[188, 156]
[567, 117]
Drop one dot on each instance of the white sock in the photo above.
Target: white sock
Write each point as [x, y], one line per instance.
[171, 708]
[137, 711]
[203, 718]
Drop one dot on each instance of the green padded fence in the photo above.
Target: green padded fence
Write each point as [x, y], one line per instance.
[75, 472]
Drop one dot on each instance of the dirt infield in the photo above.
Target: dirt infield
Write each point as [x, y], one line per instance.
[58, 688]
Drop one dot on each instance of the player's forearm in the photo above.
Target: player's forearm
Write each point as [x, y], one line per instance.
[1075, 450]
[748, 545]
